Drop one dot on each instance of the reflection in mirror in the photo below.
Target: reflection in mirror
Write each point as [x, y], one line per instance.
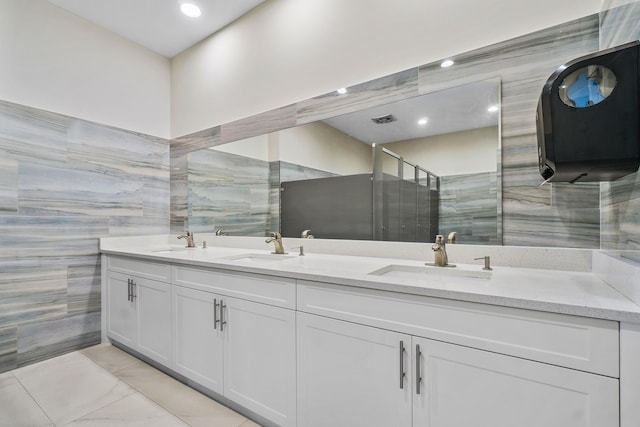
[319, 176]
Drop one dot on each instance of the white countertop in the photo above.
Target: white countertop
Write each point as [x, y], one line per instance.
[580, 293]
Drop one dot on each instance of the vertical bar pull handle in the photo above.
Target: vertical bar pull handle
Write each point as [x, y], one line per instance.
[128, 289]
[418, 373]
[215, 313]
[134, 290]
[222, 321]
[402, 373]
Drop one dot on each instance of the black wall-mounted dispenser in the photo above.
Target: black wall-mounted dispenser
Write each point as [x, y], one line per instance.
[588, 120]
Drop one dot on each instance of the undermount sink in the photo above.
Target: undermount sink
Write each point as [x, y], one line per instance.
[421, 272]
[172, 249]
[258, 258]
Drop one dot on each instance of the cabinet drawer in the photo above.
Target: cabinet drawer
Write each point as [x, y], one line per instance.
[575, 342]
[277, 291]
[141, 268]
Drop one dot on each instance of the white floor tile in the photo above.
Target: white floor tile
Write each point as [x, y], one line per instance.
[134, 410]
[105, 386]
[109, 357]
[17, 408]
[191, 406]
[71, 386]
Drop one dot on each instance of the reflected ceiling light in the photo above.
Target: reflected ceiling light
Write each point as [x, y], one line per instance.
[447, 63]
[190, 9]
[342, 90]
[493, 109]
[422, 121]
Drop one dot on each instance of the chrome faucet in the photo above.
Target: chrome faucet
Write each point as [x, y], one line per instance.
[219, 232]
[277, 241]
[189, 237]
[306, 234]
[440, 250]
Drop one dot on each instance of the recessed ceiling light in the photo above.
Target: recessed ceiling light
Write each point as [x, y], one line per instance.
[493, 109]
[342, 90]
[447, 63]
[422, 121]
[190, 9]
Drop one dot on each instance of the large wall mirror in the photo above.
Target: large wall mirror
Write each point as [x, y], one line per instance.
[404, 171]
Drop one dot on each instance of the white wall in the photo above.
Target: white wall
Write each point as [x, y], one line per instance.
[315, 145]
[320, 146]
[286, 51]
[56, 61]
[471, 151]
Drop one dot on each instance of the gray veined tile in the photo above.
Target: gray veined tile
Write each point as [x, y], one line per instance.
[195, 141]
[42, 340]
[619, 23]
[48, 190]
[92, 146]
[8, 186]
[8, 348]
[34, 293]
[259, 124]
[84, 288]
[71, 386]
[30, 134]
[17, 407]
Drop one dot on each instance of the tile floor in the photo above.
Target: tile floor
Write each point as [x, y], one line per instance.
[104, 386]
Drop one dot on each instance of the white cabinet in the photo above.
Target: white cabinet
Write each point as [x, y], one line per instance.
[139, 309]
[352, 375]
[260, 359]
[198, 349]
[241, 349]
[467, 387]
[121, 320]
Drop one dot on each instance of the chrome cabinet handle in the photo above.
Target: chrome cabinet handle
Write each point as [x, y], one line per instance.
[128, 289]
[222, 321]
[215, 313]
[418, 373]
[402, 373]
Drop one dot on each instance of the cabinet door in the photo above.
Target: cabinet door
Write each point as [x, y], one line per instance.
[260, 359]
[121, 316]
[198, 348]
[153, 301]
[462, 386]
[350, 375]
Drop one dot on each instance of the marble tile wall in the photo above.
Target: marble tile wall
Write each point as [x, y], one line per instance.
[238, 194]
[620, 200]
[531, 215]
[468, 206]
[228, 192]
[64, 183]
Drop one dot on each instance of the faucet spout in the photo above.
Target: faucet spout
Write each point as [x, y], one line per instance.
[189, 237]
[277, 241]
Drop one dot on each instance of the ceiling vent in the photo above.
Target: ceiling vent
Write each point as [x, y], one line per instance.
[387, 118]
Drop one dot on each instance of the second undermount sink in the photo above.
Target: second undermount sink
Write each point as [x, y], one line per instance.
[422, 272]
[258, 258]
[172, 249]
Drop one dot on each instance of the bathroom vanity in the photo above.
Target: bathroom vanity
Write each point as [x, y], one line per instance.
[344, 340]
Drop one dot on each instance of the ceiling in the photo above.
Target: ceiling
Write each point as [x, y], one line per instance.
[158, 24]
[452, 110]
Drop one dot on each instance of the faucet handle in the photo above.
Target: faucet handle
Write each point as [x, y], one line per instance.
[487, 262]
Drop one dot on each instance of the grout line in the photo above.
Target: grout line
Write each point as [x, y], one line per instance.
[33, 399]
